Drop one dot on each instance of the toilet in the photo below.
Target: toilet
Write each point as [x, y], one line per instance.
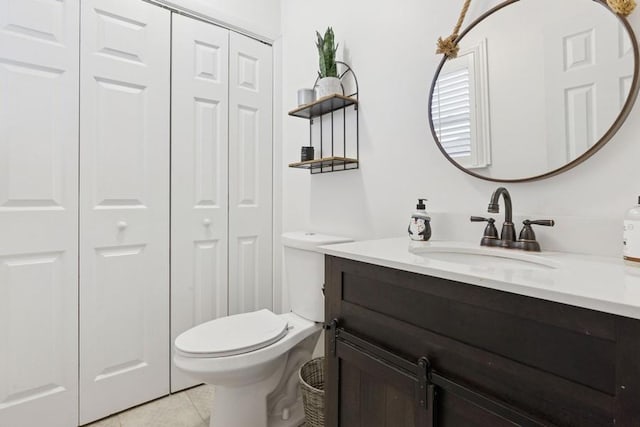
[253, 358]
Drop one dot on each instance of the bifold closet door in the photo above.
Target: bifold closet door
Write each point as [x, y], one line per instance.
[38, 213]
[250, 175]
[584, 91]
[199, 151]
[124, 205]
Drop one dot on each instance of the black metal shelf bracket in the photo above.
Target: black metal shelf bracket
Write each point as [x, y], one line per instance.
[328, 158]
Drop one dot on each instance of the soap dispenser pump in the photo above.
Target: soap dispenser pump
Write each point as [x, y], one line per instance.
[420, 224]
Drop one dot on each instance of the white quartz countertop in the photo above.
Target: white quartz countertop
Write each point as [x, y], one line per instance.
[598, 283]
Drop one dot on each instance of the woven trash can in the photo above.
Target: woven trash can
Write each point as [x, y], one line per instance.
[311, 376]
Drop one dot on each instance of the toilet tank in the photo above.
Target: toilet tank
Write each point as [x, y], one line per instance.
[304, 271]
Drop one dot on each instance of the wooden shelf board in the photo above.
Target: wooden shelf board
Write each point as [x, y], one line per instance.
[323, 105]
[324, 162]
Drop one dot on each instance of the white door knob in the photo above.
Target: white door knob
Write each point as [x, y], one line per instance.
[206, 222]
[122, 225]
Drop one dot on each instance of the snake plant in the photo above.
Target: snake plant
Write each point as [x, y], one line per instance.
[327, 54]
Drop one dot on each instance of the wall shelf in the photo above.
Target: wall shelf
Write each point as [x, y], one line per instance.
[341, 162]
[323, 105]
[333, 128]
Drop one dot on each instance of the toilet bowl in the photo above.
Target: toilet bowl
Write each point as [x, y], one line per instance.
[249, 384]
[253, 358]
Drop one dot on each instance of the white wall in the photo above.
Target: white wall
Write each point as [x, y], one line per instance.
[392, 50]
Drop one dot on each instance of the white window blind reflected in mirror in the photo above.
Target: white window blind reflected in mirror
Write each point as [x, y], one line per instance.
[451, 109]
[459, 108]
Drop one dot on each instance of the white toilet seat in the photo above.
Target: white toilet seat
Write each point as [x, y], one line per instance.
[232, 335]
[239, 366]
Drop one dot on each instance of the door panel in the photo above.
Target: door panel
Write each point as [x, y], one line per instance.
[199, 185]
[371, 401]
[250, 175]
[124, 206]
[38, 212]
[586, 91]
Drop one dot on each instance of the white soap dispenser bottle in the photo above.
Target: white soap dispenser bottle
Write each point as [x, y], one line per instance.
[631, 236]
[420, 224]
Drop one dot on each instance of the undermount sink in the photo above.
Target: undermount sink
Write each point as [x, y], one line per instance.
[468, 254]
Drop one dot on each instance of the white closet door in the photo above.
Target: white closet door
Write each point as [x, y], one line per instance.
[588, 70]
[250, 175]
[38, 212]
[124, 205]
[199, 136]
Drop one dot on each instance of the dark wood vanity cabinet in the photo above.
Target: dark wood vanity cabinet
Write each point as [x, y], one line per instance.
[405, 349]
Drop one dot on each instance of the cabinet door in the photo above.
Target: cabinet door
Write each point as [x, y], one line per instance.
[373, 386]
[199, 153]
[370, 386]
[38, 212]
[250, 175]
[124, 205]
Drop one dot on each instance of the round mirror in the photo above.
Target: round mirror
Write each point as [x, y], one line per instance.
[537, 87]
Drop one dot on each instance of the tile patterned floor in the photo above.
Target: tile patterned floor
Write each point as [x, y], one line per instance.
[189, 408]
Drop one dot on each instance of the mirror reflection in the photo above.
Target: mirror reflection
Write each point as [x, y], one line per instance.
[535, 86]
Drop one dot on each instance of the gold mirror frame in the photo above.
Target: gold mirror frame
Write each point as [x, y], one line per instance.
[633, 93]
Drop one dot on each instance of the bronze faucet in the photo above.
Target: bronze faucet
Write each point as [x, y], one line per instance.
[527, 239]
[508, 233]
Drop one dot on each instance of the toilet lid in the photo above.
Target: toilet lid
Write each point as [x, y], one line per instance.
[237, 334]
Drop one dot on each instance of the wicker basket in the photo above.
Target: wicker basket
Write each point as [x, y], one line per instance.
[312, 386]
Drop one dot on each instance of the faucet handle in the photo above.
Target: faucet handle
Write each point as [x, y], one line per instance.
[527, 232]
[490, 230]
[481, 219]
[545, 222]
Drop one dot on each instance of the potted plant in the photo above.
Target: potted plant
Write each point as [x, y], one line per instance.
[329, 83]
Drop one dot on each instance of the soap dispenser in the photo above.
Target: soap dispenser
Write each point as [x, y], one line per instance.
[631, 237]
[420, 224]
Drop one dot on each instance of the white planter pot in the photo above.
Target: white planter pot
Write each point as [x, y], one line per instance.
[328, 86]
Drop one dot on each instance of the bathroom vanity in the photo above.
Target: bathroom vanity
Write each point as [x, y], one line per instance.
[454, 335]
